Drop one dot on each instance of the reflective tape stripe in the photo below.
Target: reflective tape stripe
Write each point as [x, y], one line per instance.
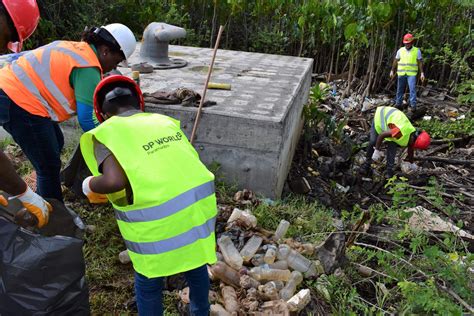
[384, 117]
[30, 86]
[184, 239]
[168, 208]
[414, 65]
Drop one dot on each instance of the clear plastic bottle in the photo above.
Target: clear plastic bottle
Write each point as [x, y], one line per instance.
[251, 247]
[225, 273]
[269, 291]
[231, 303]
[281, 230]
[296, 261]
[245, 217]
[265, 273]
[270, 255]
[280, 264]
[287, 292]
[257, 260]
[231, 254]
[247, 282]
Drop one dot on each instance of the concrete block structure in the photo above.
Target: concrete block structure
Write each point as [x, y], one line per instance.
[253, 130]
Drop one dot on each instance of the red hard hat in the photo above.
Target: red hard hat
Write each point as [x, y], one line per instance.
[25, 16]
[408, 38]
[115, 79]
[422, 141]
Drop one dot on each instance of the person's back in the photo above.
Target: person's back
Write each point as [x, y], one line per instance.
[162, 193]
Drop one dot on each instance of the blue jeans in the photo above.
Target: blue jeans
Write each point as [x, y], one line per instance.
[40, 139]
[401, 86]
[149, 296]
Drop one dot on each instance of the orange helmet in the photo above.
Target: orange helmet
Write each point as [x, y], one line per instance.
[25, 16]
[408, 38]
[115, 79]
[422, 140]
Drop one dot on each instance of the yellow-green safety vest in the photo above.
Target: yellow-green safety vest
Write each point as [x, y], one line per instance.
[408, 65]
[170, 226]
[385, 115]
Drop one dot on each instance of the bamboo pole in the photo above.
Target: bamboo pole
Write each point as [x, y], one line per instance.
[198, 115]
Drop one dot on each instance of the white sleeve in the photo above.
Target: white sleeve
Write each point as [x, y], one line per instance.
[397, 57]
[419, 54]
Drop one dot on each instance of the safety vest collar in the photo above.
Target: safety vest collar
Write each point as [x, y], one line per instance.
[168, 208]
[159, 247]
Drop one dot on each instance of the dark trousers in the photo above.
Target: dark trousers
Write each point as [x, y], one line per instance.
[149, 296]
[40, 139]
[391, 151]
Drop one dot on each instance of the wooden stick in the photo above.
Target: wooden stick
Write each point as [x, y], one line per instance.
[446, 160]
[198, 115]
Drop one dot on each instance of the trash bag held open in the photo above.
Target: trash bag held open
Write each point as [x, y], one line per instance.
[42, 271]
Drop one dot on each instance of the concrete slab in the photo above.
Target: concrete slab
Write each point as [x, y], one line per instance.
[253, 130]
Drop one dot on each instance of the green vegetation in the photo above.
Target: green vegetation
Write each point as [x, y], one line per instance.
[449, 129]
[355, 36]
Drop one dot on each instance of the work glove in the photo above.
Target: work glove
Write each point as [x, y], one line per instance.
[409, 168]
[392, 74]
[36, 205]
[377, 155]
[422, 77]
[95, 198]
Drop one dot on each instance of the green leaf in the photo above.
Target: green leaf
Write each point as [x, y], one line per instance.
[350, 31]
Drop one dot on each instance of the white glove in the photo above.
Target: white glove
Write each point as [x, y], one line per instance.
[377, 155]
[95, 198]
[36, 205]
[409, 168]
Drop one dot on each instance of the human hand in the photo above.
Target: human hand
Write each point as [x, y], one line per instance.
[392, 74]
[422, 77]
[36, 205]
[95, 198]
[377, 155]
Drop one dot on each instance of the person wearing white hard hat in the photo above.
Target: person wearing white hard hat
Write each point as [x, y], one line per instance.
[49, 85]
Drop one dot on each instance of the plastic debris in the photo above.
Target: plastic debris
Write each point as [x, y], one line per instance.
[299, 301]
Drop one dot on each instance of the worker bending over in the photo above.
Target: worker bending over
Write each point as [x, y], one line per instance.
[163, 195]
[52, 83]
[18, 20]
[392, 126]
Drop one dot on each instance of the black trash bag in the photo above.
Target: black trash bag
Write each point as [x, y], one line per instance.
[41, 272]
[75, 172]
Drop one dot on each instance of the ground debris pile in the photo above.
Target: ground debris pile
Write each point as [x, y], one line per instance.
[260, 272]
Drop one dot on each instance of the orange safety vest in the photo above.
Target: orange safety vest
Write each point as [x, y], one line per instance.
[39, 83]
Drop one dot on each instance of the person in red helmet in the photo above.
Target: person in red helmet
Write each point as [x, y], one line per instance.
[407, 63]
[392, 126]
[18, 20]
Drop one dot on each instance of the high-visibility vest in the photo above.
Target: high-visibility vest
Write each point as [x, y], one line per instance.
[170, 226]
[408, 65]
[39, 83]
[385, 115]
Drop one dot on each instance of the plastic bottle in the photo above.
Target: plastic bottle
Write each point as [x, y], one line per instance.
[296, 261]
[229, 296]
[287, 292]
[124, 257]
[245, 217]
[136, 77]
[247, 282]
[231, 254]
[257, 260]
[280, 264]
[269, 291]
[281, 230]
[225, 273]
[270, 255]
[299, 301]
[265, 273]
[251, 247]
[218, 310]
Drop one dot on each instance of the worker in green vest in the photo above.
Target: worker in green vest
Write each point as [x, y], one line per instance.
[163, 195]
[407, 62]
[392, 126]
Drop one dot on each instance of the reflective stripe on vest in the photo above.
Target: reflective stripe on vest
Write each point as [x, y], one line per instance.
[184, 239]
[42, 69]
[384, 118]
[407, 65]
[168, 208]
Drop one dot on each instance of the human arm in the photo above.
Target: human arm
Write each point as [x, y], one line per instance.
[10, 181]
[113, 178]
[420, 68]
[410, 154]
[394, 68]
[381, 137]
[84, 82]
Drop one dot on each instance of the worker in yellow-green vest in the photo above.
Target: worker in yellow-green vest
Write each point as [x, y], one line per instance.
[392, 126]
[163, 195]
[407, 62]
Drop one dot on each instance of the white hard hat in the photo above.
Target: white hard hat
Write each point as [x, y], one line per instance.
[124, 37]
